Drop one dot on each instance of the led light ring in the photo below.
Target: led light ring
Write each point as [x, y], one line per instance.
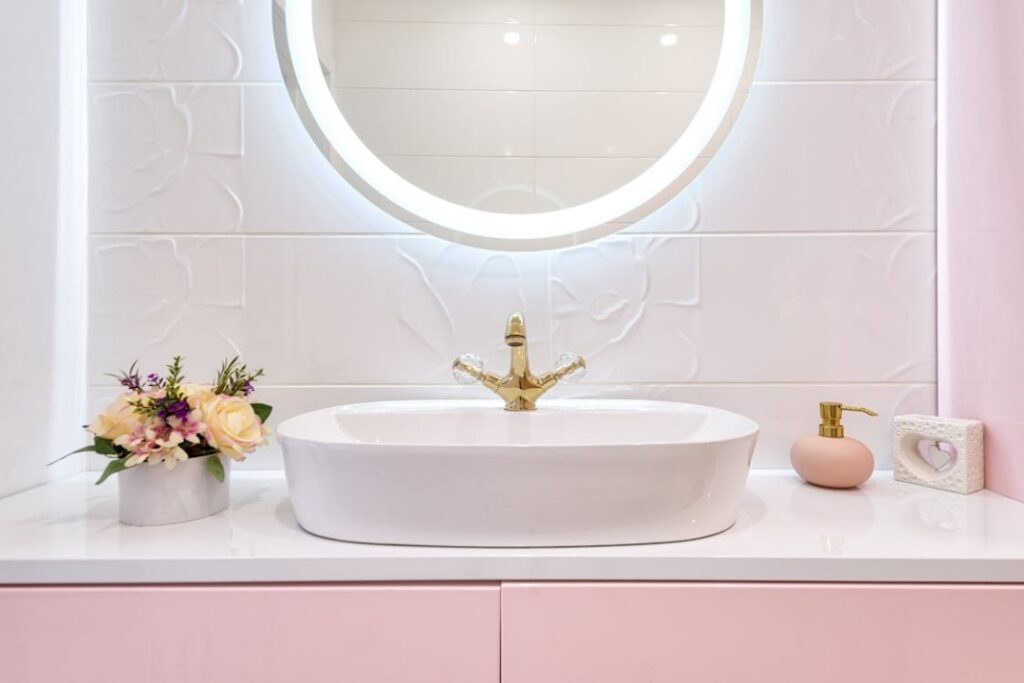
[548, 229]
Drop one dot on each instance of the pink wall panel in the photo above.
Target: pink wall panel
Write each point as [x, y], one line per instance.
[981, 228]
[791, 633]
[349, 634]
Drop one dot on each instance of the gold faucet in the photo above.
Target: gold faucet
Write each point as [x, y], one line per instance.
[520, 389]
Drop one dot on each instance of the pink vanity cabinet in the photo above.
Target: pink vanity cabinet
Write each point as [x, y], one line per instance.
[514, 633]
[311, 633]
[740, 632]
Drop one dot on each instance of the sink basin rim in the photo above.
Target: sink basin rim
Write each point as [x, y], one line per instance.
[320, 426]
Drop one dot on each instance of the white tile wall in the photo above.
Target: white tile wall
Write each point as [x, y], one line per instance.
[843, 40]
[799, 266]
[826, 156]
[180, 40]
[209, 158]
[42, 227]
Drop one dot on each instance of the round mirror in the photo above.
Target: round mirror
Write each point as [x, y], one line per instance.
[518, 124]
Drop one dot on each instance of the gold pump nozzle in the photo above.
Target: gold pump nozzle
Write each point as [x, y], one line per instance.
[832, 416]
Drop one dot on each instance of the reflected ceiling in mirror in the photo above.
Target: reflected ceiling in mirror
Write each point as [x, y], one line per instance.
[518, 123]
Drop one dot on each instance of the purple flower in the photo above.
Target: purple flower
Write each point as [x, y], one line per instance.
[155, 380]
[248, 388]
[178, 409]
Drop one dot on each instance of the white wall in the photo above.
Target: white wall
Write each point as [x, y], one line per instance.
[799, 266]
[43, 232]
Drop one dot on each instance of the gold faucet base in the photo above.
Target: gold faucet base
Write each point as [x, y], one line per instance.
[520, 389]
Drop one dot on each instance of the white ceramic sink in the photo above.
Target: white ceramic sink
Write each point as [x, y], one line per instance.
[468, 473]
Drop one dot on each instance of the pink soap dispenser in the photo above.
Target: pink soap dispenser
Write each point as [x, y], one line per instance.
[832, 459]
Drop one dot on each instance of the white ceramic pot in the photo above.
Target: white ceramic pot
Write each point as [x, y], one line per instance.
[150, 495]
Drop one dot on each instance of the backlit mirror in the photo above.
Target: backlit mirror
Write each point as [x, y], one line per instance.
[518, 124]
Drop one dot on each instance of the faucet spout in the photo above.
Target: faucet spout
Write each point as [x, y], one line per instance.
[515, 330]
[520, 388]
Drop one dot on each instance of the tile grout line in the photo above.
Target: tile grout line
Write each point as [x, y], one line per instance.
[414, 234]
[598, 385]
[506, 91]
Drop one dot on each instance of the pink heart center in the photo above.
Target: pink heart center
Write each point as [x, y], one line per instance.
[939, 455]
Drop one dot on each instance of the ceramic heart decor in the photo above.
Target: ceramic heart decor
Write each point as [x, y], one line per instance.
[945, 453]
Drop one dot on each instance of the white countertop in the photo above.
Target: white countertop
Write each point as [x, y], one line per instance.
[67, 532]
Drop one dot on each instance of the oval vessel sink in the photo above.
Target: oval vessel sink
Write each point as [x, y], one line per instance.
[468, 473]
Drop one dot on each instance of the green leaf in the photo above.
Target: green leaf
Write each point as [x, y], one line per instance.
[262, 411]
[113, 467]
[215, 467]
[105, 447]
[83, 449]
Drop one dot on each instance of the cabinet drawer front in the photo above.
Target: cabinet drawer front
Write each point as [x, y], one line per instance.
[223, 634]
[814, 633]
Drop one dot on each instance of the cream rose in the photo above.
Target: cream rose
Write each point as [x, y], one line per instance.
[232, 427]
[196, 393]
[117, 419]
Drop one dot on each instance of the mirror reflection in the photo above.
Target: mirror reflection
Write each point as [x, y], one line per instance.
[518, 106]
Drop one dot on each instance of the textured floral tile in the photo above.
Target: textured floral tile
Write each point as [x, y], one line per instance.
[309, 310]
[622, 304]
[815, 157]
[182, 40]
[454, 299]
[166, 157]
[171, 158]
[321, 310]
[822, 40]
[750, 309]
[153, 298]
[816, 308]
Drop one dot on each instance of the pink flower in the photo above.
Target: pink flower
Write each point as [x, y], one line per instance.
[157, 440]
[191, 428]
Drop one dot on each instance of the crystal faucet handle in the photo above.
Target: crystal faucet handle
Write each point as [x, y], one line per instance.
[570, 367]
[468, 368]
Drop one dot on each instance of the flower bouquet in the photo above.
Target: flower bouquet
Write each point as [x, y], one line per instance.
[186, 427]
